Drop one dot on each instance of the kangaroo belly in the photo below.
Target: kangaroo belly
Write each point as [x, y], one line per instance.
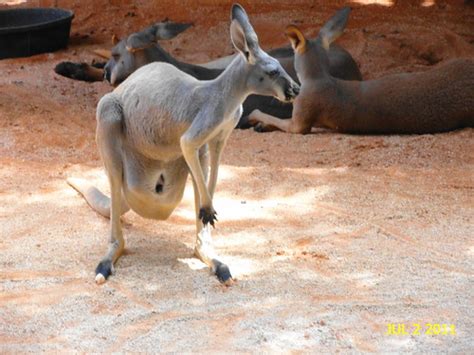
[149, 206]
[153, 188]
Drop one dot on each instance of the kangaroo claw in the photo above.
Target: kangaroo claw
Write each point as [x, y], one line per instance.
[207, 215]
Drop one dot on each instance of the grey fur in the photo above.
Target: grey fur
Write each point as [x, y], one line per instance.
[150, 35]
[161, 123]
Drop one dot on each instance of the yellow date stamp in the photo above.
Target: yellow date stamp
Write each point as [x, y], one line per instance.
[433, 329]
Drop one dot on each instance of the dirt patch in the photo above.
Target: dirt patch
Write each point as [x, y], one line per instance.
[331, 236]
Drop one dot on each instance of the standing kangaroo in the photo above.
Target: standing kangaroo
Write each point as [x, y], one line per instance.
[160, 124]
[440, 99]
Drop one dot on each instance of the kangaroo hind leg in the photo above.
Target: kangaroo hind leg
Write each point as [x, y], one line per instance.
[110, 137]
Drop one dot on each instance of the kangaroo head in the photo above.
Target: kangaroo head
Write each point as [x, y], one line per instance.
[266, 75]
[139, 49]
[311, 56]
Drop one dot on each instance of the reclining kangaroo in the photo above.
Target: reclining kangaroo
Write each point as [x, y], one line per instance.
[130, 60]
[440, 99]
[160, 123]
[142, 48]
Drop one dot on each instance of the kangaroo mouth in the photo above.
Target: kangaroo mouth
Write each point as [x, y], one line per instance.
[283, 99]
[289, 98]
[286, 96]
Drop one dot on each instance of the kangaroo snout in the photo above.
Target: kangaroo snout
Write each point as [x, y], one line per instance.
[292, 91]
[107, 75]
[107, 72]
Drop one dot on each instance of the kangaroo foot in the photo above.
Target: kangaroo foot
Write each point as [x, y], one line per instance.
[103, 271]
[223, 273]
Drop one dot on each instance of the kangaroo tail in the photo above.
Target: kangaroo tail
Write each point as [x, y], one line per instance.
[94, 197]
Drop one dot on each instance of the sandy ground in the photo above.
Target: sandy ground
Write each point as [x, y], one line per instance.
[330, 236]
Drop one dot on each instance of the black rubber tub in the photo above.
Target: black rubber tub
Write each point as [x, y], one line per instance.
[25, 32]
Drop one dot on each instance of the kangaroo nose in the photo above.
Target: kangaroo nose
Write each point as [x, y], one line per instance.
[296, 89]
[107, 74]
[292, 91]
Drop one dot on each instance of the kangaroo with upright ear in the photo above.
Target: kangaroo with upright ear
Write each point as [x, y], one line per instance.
[161, 123]
[438, 100]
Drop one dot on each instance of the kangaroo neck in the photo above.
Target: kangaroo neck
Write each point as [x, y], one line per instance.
[232, 82]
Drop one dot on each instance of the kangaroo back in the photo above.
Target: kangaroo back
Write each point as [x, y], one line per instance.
[438, 100]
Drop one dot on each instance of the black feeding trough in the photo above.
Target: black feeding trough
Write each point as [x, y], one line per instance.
[25, 32]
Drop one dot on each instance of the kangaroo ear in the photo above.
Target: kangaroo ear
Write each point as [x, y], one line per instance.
[238, 40]
[169, 29]
[138, 41]
[115, 39]
[104, 53]
[141, 40]
[242, 33]
[150, 35]
[297, 39]
[334, 27]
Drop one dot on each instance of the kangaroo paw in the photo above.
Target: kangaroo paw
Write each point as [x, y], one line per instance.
[77, 71]
[259, 127]
[207, 215]
[244, 123]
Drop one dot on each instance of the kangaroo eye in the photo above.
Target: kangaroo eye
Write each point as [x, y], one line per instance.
[273, 73]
